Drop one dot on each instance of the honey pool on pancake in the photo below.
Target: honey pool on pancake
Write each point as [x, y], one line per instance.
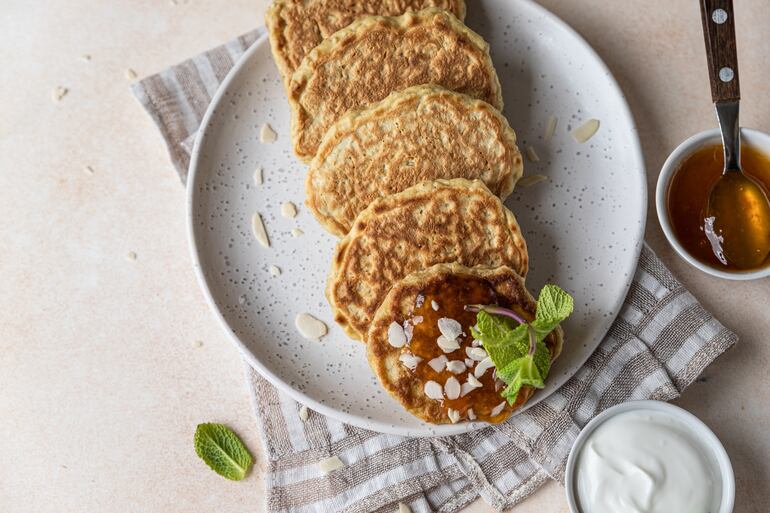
[452, 297]
[688, 196]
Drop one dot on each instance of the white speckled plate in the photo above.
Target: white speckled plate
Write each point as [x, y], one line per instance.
[584, 227]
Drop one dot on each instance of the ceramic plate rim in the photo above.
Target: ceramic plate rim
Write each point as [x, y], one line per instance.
[438, 430]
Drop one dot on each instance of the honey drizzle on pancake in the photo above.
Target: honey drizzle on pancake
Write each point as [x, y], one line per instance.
[456, 292]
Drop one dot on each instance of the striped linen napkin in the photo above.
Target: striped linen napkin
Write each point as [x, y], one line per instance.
[661, 341]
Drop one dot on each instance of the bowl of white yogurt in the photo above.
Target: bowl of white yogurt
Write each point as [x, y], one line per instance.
[648, 457]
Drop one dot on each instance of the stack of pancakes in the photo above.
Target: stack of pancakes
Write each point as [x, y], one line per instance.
[396, 107]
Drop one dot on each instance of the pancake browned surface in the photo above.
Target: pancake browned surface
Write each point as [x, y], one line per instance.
[422, 133]
[435, 222]
[298, 26]
[409, 304]
[375, 56]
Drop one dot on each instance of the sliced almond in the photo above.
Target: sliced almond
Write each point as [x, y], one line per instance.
[466, 389]
[550, 128]
[288, 210]
[409, 360]
[477, 353]
[532, 154]
[396, 335]
[330, 464]
[469, 362]
[403, 508]
[310, 327]
[408, 331]
[258, 176]
[453, 415]
[447, 345]
[471, 414]
[419, 300]
[59, 93]
[530, 180]
[438, 363]
[455, 366]
[130, 74]
[473, 381]
[483, 366]
[585, 131]
[433, 390]
[267, 134]
[450, 328]
[434, 305]
[304, 413]
[497, 409]
[296, 232]
[417, 319]
[275, 270]
[258, 228]
[452, 388]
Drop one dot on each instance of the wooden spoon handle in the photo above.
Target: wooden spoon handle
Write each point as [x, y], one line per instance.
[719, 32]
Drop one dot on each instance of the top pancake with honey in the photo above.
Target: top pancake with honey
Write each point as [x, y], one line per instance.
[298, 26]
[443, 221]
[414, 310]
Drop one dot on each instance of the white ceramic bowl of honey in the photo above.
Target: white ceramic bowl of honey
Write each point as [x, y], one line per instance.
[682, 192]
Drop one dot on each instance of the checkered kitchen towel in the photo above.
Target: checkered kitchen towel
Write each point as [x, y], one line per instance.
[660, 342]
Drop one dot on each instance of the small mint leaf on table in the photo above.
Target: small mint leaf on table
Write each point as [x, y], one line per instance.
[222, 451]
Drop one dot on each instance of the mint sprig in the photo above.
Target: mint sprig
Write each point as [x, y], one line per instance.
[222, 451]
[517, 349]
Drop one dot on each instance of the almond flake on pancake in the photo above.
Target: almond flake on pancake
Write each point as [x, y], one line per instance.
[497, 409]
[434, 305]
[455, 366]
[409, 360]
[419, 301]
[471, 414]
[473, 355]
[466, 389]
[408, 330]
[477, 353]
[453, 415]
[433, 390]
[452, 388]
[483, 366]
[417, 319]
[438, 363]
[447, 345]
[476, 342]
[396, 335]
[469, 362]
[450, 328]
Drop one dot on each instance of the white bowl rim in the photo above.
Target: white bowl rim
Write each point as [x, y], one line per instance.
[671, 164]
[699, 428]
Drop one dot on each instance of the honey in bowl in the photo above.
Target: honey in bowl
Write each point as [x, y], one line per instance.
[688, 196]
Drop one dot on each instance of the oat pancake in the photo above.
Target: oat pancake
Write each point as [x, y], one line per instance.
[375, 56]
[298, 26]
[442, 221]
[404, 371]
[422, 133]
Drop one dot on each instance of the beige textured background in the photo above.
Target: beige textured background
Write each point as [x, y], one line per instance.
[100, 385]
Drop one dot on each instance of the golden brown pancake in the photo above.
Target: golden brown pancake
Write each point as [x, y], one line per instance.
[410, 304]
[442, 221]
[377, 55]
[422, 133]
[298, 26]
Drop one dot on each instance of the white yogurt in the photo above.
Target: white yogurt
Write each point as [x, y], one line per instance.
[645, 461]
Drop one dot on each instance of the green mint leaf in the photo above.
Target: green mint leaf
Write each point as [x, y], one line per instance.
[222, 450]
[553, 306]
[510, 347]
